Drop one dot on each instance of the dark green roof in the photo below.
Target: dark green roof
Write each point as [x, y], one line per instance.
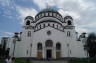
[29, 17]
[48, 10]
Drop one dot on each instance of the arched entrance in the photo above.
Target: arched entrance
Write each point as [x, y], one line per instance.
[58, 50]
[49, 45]
[39, 52]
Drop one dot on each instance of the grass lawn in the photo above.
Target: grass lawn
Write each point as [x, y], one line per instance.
[22, 61]
[71, 61]
[82, 61]
[1, 61]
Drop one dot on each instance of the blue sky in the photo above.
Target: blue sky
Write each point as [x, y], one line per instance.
[13, 12]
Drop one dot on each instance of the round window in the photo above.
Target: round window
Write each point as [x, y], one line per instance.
[49, 32]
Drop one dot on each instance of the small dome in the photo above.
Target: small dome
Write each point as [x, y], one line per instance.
[68, 17]
[29, 17]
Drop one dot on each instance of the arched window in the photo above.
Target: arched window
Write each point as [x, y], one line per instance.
[40, 26]
[29, 33]
[44, 25]
[31, 45]
[53, 25]
[68, 33]
[39, 46]
[27, 52]
[69, 22]
[58, 46]
[49, 43]
[28, 22]
[57, 26]
[48, 24]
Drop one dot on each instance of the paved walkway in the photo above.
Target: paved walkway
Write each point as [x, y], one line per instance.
[60, 61]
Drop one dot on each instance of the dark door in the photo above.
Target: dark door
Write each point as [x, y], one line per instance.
[49, 54]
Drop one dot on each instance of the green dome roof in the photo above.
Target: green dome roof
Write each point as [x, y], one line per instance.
[48, 10]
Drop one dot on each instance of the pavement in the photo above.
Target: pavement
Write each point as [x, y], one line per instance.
[57, 61]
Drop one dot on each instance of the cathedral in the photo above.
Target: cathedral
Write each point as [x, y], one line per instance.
[48, 35]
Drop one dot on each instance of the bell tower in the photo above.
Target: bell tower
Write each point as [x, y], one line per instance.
[28, 31]
[28, 26]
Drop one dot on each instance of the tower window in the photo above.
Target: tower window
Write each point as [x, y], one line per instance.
[48, 24]
[39, 46]
[29, 33]
[68, 33]
[50, 14]
[40, 26]
[42, 14]
[46, 14]
[54, 14]
[27, 52]
[53, 25]
[31, 45]
[57, 26]
[69, 22]
[28, 22]
[44, 25]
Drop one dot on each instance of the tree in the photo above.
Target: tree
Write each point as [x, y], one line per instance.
[0, 50]
[4, 49]
[7, 52]
[90, 45]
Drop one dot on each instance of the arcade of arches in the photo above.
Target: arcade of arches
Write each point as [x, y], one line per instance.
[48, 49]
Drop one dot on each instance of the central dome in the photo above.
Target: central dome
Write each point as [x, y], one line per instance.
[48, 12]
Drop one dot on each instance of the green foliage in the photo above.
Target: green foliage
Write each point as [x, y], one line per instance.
[82, 61]
[90, 45]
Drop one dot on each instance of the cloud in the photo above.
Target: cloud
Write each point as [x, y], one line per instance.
[73, 14]
[80, 30]
[82, 11]
[5, 2]
[8, 33]
[23, 12]
[42, 4]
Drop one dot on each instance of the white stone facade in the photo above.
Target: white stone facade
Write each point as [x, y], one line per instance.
[48, 26]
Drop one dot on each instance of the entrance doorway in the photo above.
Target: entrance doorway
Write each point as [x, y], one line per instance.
[48, 54]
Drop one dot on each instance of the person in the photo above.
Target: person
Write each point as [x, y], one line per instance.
[8, 60]
[13, 59]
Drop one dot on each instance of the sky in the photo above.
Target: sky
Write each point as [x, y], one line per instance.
[13, 12]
